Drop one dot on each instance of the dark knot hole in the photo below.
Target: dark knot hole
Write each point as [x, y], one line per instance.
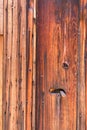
[65, 65]
[58, 91]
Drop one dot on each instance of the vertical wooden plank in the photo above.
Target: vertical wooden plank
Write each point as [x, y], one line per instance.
[82, 104]
[1, 56]
[81, 75]
[1, 17]
[23, 63]
[4, 66]
[86, 73]
[86, 62]
[13, 92]
[57, 54]
[14, 70]
[7, 61]
[30, 65]
[34, 66]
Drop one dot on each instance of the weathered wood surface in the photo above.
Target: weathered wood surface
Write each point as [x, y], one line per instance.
[82, 70]
[31, 73]
[61, 63]
[14, 69]
[57, 65]
[30, 65]
[1, 17]
[34, 67]
[1, 72]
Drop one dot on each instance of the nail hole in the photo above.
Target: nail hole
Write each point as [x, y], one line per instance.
[65, 65]
[58, 91]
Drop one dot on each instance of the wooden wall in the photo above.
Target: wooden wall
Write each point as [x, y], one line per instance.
[31, 72]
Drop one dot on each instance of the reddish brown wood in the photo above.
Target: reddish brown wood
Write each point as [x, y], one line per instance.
[30, 66]
[61, 62]
[1, 72]
[57, 53]
[86, 73]
[34, 67]
[82, 75]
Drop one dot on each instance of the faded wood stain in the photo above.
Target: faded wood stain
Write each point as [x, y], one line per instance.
[14, 65]
[44, 65]
[57, 39]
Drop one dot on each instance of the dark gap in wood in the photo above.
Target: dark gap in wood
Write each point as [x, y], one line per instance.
[58, 91]
[65, 65]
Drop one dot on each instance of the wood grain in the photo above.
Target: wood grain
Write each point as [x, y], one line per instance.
[82, 80]
[1, 17]
[57, 47]
[1, 72]
[83, 71]
[86, 73]
[30, 66]
[14, 65]
[34, 67]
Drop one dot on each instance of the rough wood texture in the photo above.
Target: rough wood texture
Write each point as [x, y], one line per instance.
[82, 74]
[1, 17]
[1, 57]
[14, 69]
[57, 66]
[31, 72]
[30, 65]
[34, 67]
